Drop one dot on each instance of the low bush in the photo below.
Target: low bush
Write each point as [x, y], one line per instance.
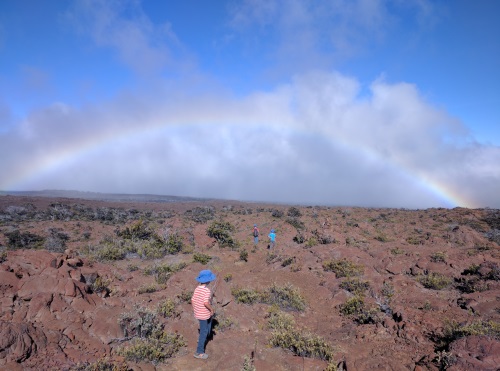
[246, 296]
[243, 255]
[435, 281]
[185, 296]
[167, 309]
[285, 335]
[288, 261]
[24, 240]
[147, 289]
[102, 364]
[140, 322]
[163, 272]
[453, 330]
[438, 257]
[277, 213]
[355, 308]
[355, 286]
[222, 322]
[285, 297]
[222, 232]
[201, 258]
[154, 349]
[294, 212]
[101, 286]
[343, 268]
[296, 223]
[137, 231]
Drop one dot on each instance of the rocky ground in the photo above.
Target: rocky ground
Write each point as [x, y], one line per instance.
[90, 285]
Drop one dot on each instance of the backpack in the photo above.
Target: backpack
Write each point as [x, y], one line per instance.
[255, 232]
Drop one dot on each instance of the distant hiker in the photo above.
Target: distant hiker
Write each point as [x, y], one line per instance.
[272, 239]
[255, 234]
[203, 310]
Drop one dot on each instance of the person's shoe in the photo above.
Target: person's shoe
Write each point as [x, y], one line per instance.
[201, 355]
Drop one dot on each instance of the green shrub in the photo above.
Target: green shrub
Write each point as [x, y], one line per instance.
[294, 212]
[435, 281]
[110, 253]
[296, 223]
[312, 241]
[356, 309]
[352, 306]
[279, 320]
[185, 296]
[343, 268]
[163, 272]
[228, 277]
[299, 238]
[132, 267]
[3, 256]
[222, 322]
[140, 322]
[286, 297]
[25, 240]
[243, 255]
[438, 257]
[201, 258]
[397, 251]
[174, 244]
[137, 231]
[154, 349]
[222, 231]
[248, 364]
[302, 344]
[100, 285]
[167, 309]
[287, 261]
[147, 289]
[453, 330]
[355, 286]
[246, 296]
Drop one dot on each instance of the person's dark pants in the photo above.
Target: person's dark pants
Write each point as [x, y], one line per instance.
[205, 328]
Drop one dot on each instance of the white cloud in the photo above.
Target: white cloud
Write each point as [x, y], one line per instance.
[313, 140]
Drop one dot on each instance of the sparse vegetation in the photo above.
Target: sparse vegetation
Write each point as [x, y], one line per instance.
[302, 343]
[343, 268]
[244, 255]
[167, 309]
[156, 348]
[201, 258]
[222, 232]
[356, 309]
[285, 297]
[355, 286]
[147, 289]
[25, 240]
[438, 257]
[435, 281]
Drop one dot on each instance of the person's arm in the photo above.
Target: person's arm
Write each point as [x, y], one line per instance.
[209, 307]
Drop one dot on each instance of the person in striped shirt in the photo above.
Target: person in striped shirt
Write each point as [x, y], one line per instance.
[203, 310]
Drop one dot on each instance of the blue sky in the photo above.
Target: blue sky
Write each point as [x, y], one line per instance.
[368, 103]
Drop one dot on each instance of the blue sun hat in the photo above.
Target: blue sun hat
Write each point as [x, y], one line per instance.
[255, 225]
[272, 230]
[205, 276]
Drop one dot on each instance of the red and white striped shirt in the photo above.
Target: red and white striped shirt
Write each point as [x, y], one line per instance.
[201, 295]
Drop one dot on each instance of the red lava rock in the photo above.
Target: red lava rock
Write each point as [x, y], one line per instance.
[475, 353]
[51, 319]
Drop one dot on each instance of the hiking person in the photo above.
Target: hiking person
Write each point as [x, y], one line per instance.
[203, 310]
[272, 239]
[255, 235]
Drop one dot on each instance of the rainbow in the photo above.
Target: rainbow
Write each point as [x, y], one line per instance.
[72, 152]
